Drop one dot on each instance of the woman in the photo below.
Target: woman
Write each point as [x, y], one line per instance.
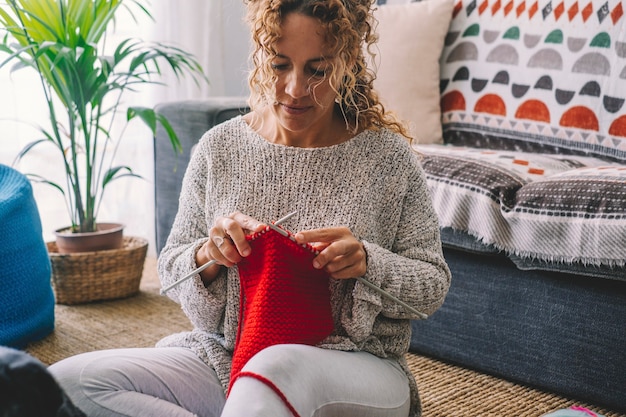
[317, 141]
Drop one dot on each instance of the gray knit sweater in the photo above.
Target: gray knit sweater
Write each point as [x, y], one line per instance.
[372, 184]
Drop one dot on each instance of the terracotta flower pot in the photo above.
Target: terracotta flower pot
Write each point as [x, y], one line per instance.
[107, 236]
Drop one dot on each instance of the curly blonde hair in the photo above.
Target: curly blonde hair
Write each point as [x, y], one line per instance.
[348, 28]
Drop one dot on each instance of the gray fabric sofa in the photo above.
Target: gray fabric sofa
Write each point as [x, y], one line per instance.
[530, 188]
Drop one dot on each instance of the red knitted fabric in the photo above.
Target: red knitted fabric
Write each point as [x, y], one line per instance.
[283, 298]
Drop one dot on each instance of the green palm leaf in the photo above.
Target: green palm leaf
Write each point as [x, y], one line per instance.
[63, 41]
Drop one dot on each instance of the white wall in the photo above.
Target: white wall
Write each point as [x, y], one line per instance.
[237, 48]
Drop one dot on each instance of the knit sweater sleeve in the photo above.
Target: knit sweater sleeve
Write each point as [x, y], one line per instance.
[203, 305]
[409, 264]
[414, 269]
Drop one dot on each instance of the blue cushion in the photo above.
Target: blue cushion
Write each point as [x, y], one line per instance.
[26, 294]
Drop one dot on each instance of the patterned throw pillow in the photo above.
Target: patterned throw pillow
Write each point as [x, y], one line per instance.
[537, 75]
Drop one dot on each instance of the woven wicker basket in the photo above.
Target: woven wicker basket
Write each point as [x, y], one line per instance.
[103, 275]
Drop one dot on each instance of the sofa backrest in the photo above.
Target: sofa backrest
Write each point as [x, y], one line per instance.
[536, 75]
[190, 119]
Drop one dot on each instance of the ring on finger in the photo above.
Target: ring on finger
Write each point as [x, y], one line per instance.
[218, 240]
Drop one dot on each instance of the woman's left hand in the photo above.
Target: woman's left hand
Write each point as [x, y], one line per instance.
[341, 254]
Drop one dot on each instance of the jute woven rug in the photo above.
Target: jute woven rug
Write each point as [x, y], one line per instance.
[140, 321]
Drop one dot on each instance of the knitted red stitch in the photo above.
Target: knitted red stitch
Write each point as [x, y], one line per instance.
[283, 298]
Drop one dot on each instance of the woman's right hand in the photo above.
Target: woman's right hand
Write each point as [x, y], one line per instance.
[227, 243]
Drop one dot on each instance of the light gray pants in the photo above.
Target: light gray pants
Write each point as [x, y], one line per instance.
[174, 382]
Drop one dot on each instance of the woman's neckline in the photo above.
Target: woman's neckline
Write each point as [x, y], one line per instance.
[260, 137]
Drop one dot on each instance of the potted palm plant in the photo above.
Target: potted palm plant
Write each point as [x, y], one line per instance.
[84, 80]
[63, 41]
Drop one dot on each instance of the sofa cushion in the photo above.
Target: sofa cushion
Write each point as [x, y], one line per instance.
[411, 38]
[568, 210]
[538, 76]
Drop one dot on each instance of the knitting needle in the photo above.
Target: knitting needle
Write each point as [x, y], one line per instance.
[278, 229]
[213, 261]
[391, 297]
[285, 233]
[369, 284]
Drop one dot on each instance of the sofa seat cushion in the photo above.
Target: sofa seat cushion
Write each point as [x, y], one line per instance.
[538, 208]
